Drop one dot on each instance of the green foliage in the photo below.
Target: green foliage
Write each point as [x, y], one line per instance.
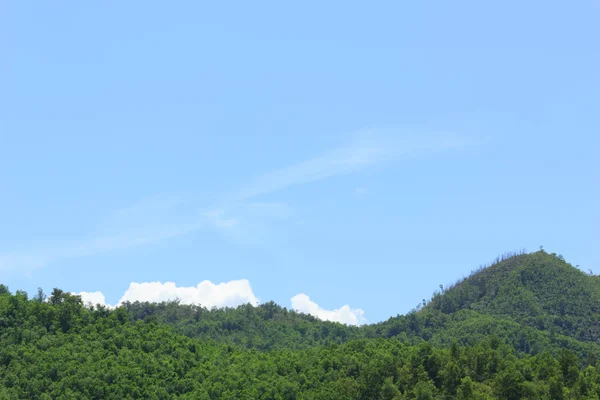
[266, 327]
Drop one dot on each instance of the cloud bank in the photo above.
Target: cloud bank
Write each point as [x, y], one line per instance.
[225, 294]
[206, 293]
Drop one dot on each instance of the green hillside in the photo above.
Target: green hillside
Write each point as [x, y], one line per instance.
[526, 327]
[265, 327]
[539, 289]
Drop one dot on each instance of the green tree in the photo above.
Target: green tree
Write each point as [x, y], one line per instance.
[465, 390]
[509, 384]
[389, 391]
[556, 388]
[451, 377]
[424, 390]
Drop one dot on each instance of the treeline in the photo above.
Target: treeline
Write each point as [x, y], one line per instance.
[264, 327]
[62, 350]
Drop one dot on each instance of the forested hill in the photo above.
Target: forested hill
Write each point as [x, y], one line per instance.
[525, 327]
[539, 289]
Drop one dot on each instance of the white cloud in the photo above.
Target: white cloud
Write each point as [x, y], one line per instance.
[92, 298]
[345, 314]
[206, 294]
[225, 294]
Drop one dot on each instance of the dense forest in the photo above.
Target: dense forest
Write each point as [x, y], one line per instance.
[525, 327]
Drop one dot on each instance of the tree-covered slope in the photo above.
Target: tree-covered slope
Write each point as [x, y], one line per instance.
[539, 289]
[264, 327]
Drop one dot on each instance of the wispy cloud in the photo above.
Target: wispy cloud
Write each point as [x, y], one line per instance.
[219, 219]
[37, 258]
[362, 191]
[272, 210]
[166, 217]
[366, 149]
[342, 160]
[23, 262]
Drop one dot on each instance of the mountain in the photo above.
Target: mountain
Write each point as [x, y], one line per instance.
[525, 327]
[533, 302]
[539, 290]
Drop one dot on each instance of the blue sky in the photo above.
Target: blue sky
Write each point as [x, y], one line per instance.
[318, 155]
